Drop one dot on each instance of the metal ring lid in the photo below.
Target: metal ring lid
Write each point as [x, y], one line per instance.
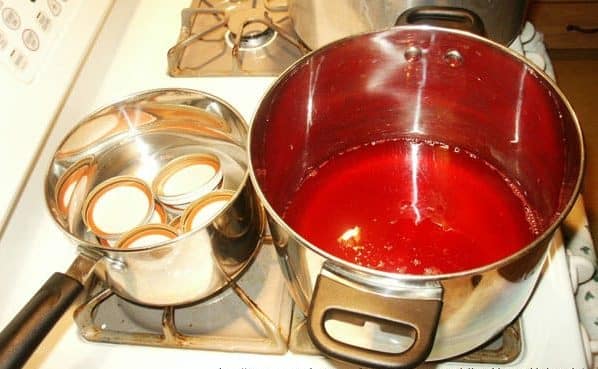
[159, 216]
[117, 205]
[146, 235]
[204, 210]
[68, 182]
[106, 242]
[187, 178]
[176, 222]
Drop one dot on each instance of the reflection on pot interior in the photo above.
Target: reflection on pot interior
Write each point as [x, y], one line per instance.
[120, 198]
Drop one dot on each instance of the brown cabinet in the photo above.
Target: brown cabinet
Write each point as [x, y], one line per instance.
[566, 24]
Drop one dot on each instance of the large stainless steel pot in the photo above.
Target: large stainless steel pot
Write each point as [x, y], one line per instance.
[429, 83]
[137, 137]
[320, 22]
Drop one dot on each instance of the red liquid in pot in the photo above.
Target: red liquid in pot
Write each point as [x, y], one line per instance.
[411, 207]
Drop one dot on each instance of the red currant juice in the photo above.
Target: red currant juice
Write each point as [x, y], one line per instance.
[411, 207]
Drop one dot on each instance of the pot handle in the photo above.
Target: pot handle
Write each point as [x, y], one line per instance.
[443, 16]
[20, 338]
[333, 294]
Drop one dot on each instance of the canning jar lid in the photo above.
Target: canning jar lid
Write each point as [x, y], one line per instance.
[67, 184]
[117, 205]
[106, 242]
[159, 216]
[187, 178]
[146, 235]
[175, 222]
[201, 212]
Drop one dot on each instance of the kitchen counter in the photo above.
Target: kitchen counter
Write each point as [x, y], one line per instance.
[569, 33]
[577, 77]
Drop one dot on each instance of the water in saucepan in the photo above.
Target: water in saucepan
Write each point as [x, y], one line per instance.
[412, 207]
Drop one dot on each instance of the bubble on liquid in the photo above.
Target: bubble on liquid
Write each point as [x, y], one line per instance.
[312, 173]
[401, 269]
[532, 219]
[260, 172]
[531, 216]
[357, 248]
[431, 271]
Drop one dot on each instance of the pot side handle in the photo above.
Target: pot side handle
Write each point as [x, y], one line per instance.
[331, 296]
[20, 338]
[443, 16]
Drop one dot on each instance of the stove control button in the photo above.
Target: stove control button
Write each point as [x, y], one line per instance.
[55, 7]
[11, 18]
[30, 39]
[43, 20]
[3, 41]
[18, 59]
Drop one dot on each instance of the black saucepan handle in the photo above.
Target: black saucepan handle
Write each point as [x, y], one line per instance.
[443, 16]
[24, 333]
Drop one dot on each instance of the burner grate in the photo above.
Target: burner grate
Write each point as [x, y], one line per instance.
[252, 315]
[234, 38]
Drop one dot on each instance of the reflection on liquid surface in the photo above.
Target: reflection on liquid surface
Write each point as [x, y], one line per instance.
[412, 207]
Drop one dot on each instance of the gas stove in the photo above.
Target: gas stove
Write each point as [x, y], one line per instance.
[253, 323]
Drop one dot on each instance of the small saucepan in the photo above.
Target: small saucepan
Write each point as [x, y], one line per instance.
[129, 143]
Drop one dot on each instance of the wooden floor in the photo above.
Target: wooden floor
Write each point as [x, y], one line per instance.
[577, 76]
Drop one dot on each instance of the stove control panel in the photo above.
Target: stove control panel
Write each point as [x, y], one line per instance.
[29, 29]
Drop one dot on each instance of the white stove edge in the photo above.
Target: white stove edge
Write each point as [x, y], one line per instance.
[129, 56]
[56, 72]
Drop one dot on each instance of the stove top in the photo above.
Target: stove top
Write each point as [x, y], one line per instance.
[28, 258]
[254, 315]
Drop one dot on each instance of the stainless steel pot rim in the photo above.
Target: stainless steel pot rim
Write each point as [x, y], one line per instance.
[346, 265]
[132, 98]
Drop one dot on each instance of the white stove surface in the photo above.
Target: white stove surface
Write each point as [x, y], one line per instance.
[130, 56]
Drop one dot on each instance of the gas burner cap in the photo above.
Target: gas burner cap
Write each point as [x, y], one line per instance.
[116, 206]
[250, 43]
[255, 34]
[147, 235]
[253, 20]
